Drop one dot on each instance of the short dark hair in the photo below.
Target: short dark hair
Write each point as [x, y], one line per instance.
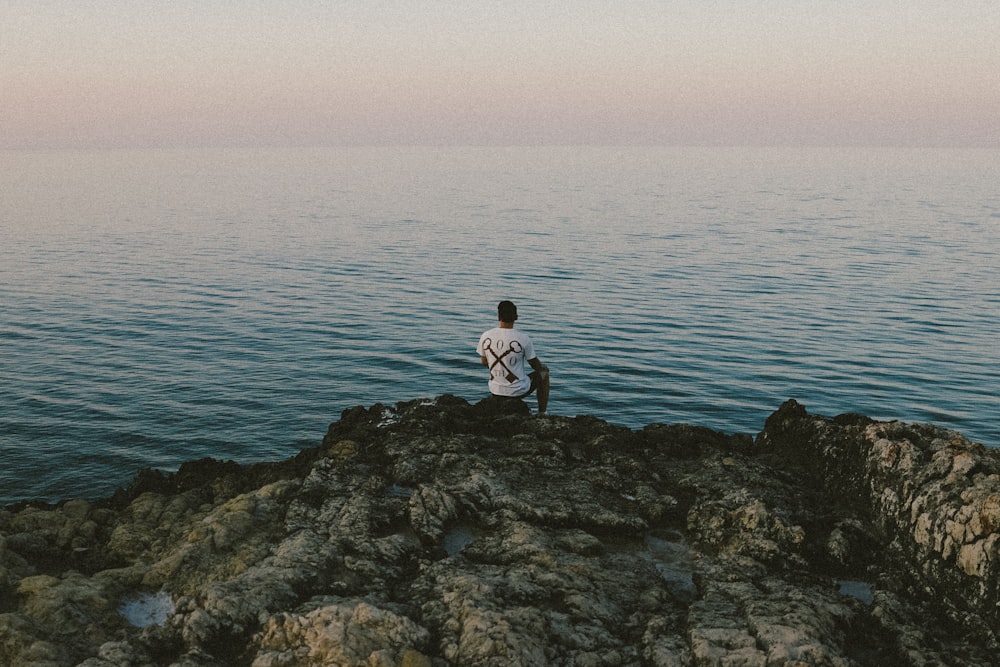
[507, 311]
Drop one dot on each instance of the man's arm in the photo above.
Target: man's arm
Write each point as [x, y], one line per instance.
[483, 359]
[538, 366]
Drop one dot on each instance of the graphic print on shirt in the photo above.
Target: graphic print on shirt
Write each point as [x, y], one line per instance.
[498, 358]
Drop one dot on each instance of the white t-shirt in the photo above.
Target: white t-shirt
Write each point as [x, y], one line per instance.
[508, 352]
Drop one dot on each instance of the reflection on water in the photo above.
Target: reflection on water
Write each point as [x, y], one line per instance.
[858, 590]
[397, 491]
[458, 536]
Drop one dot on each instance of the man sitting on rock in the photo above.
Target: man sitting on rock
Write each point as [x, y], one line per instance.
[507, 352]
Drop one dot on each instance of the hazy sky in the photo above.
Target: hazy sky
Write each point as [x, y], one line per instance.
[118, 73]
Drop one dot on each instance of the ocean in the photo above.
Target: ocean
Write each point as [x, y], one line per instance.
[159, 306]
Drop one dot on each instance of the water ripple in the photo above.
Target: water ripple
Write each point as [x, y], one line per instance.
[170, 320]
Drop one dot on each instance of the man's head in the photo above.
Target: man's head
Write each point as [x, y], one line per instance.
[507, 312]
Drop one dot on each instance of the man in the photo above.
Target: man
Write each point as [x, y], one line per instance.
[507, 352]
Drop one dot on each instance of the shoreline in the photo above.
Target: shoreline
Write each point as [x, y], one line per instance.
[439, 532]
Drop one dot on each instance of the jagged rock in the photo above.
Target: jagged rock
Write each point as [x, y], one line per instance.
[436, 532]
[331, 631]
[931, 496]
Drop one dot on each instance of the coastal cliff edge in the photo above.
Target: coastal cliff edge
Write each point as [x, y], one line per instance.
[438, 532]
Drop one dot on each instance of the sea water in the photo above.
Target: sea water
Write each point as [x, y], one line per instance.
[163, 306]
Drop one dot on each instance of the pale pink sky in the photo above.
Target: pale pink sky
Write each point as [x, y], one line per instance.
[116, 73]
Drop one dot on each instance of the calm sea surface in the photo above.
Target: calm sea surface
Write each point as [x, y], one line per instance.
[157, 307]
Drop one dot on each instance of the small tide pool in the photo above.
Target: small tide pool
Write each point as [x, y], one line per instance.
[143, 610]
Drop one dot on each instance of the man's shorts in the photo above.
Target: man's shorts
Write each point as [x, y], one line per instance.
[533, 376]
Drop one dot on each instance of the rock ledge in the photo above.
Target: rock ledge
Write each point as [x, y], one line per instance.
[436, 532]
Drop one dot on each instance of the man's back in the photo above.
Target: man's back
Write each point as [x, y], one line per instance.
[507, 351]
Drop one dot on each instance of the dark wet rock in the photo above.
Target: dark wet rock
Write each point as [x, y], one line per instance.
[436, 532]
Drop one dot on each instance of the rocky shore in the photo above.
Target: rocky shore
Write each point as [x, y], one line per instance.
[437, 532]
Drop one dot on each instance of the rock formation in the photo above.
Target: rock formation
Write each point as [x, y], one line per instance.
[436, 532]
